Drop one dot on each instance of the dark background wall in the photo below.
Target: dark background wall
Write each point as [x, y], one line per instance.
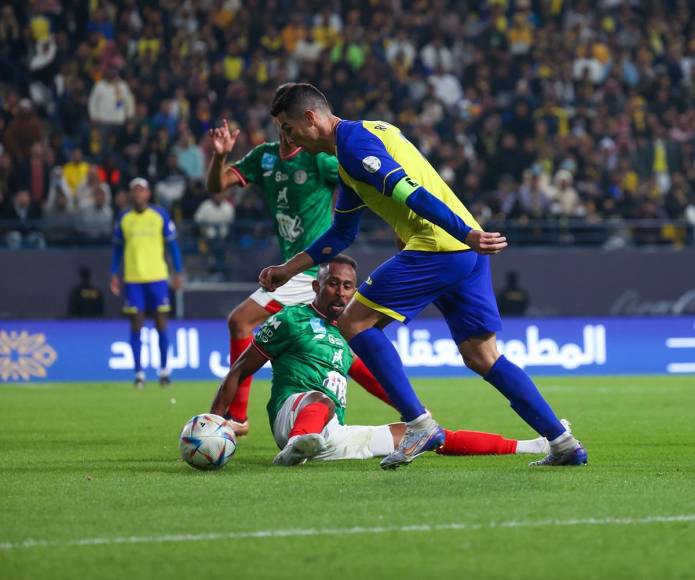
[580, 282]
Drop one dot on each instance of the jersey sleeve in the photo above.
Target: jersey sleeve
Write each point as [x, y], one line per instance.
[118, 231]
[274, 337]
[248, 168]
[364, 156]
[343, 231]
[328, 168]
[168, 225]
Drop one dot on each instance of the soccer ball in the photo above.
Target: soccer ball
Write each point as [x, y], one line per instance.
[206, 442]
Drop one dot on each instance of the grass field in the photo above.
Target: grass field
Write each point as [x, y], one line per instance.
[91, 487]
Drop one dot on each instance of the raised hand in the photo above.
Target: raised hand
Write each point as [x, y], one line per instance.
[222, 139]
[486, 242]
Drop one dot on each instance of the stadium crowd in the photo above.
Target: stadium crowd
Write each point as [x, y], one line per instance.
[548, 118]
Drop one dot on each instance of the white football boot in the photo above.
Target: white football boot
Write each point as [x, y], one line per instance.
[300, 448]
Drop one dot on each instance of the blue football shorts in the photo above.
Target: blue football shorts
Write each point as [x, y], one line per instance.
[458, 283]
[146, 297]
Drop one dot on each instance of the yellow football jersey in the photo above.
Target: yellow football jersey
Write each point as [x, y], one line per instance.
[144, 235]
[376, 161]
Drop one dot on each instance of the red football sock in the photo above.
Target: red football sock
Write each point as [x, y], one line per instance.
[364, 377]
[311, 419]
[476, 443]
[238, 408]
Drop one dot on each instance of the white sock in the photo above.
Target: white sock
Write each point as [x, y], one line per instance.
[563, 443]
[538, 445]
[164, 372]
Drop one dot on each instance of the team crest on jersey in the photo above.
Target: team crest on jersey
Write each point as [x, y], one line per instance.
[268, 161]
[300, 177]
[371, 164]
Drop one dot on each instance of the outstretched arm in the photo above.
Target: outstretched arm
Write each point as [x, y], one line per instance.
[247, 364]
[221, 177]
[343, 231]
[367, 160]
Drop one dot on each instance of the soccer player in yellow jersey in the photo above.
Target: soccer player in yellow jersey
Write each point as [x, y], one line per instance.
[445, 261]
[140, 235]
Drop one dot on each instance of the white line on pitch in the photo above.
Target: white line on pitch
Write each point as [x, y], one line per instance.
[358, 530]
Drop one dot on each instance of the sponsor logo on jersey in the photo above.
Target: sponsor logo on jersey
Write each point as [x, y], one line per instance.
[289, 227]
[300, 177]
[369, 281]
[337, 357]
[371, 164]
[268, 161]
[318, 326]
[280, 176]
[282, 197]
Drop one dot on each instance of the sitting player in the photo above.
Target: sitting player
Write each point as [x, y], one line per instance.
[311, 360]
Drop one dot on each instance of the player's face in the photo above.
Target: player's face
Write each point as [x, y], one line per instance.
[301, 131]
[335, 289]
[140, 196]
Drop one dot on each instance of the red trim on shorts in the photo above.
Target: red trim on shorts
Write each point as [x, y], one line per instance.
[240, 175]
[273, 307]
[293, 154]
[260, 349]
[297, 401]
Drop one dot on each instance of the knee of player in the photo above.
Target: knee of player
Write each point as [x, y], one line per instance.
[316, 397]
[479, 361]
[237, 325]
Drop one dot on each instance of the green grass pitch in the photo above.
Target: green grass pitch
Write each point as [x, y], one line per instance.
[91, 474]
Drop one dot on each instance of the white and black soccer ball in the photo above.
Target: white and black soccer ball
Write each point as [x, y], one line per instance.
[206, 442]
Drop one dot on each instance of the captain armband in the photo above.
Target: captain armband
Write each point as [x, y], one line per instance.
[404, 188]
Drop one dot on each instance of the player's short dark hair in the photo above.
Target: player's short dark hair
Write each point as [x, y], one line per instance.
[295, 98]
[339, 259]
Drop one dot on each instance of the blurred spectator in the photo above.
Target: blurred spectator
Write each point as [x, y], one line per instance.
[189, 157]
[172, 186]
[22, 132]
[95, 223]
[85, 300]
[59, 222]
[214, 217]
[74, 174]
[21, 222]
[565, 197]
[111, 102]
[34, 173]
[86, 192]
[512, 300]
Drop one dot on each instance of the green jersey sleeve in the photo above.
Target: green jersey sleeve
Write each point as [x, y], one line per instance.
[249, 166]
[328, 168]
[275, 336]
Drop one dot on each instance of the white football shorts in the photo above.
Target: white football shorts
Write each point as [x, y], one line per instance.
[297, 290]
[342, 441]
